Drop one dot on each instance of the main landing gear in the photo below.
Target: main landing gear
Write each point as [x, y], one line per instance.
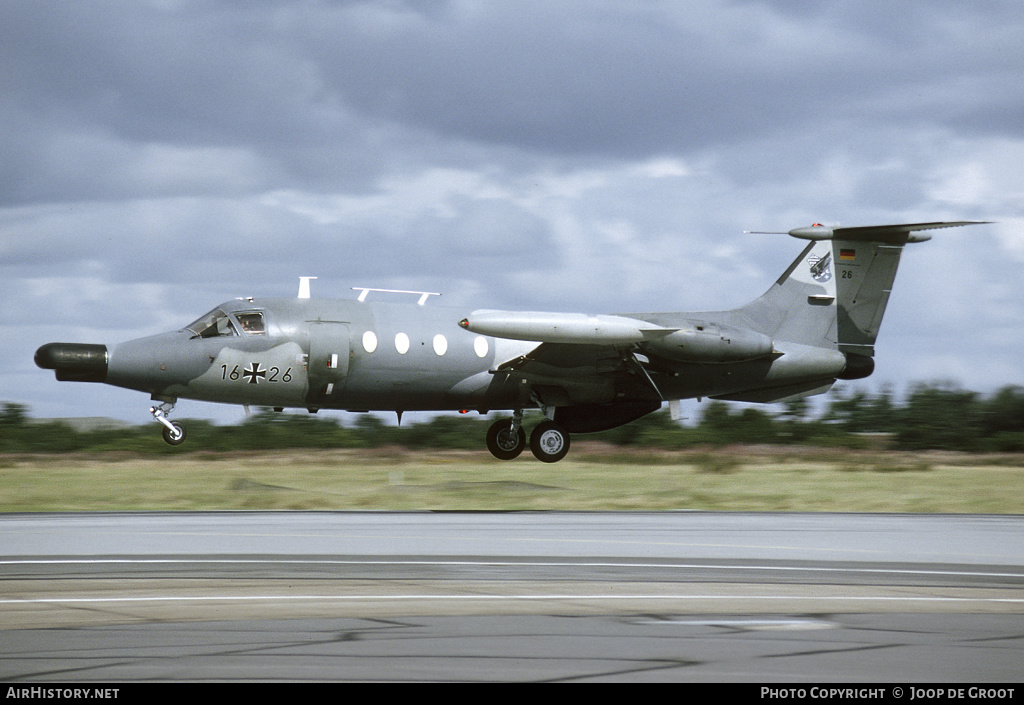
[174, 433]
[506, 439]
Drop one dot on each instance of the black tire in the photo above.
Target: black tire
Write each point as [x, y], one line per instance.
[549, 442]
[177, 438]
[502, 443]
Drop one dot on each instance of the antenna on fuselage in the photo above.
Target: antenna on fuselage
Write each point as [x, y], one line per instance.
[304, 287]
[422, 294]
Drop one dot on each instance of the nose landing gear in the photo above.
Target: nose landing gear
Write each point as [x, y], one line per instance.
[174, 433]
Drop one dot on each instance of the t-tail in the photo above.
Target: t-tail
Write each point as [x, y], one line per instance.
[835, 293]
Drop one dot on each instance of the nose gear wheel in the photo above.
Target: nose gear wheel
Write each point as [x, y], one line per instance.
[174, 433]
[174, 436]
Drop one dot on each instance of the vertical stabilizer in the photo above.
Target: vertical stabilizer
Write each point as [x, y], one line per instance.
[801, 305]
[835, 293]
[865, 273]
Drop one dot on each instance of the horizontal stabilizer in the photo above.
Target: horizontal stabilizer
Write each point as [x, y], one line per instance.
[891, 234]
[572, 328]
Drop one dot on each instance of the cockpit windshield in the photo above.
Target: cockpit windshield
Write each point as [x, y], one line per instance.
[213, 324]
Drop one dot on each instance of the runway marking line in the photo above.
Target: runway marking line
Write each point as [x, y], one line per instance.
[593, 564]
[388, 598]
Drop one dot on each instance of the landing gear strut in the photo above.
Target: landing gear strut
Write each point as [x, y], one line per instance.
[174, 433]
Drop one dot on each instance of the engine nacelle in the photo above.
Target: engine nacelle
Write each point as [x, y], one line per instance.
[709, 342]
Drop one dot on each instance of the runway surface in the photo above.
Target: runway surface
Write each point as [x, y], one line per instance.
[585, 596]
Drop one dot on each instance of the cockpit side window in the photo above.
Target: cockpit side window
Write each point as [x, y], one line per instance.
[252, 322]
[215, 323]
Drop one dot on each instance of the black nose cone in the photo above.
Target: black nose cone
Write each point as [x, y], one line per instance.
[74, 362]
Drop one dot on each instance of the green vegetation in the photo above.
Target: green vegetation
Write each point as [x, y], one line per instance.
[941, 450]
[596, 476]
[933, 417]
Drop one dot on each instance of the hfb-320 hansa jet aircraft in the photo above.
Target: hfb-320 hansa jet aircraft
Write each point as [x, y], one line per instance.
[587, 373]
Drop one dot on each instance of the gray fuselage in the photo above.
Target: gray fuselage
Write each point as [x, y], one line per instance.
[354, 355]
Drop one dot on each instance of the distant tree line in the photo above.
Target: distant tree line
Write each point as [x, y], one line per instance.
[932, 416]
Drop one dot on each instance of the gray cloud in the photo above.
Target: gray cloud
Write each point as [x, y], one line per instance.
[161, 156]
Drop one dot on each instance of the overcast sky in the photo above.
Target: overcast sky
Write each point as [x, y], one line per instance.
[158, 157]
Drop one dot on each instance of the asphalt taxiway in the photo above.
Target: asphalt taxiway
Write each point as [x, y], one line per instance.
[511, 596]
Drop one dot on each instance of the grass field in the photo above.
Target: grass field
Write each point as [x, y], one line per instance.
[593, 477]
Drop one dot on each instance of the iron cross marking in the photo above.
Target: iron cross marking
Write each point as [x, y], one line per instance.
[254, 373]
